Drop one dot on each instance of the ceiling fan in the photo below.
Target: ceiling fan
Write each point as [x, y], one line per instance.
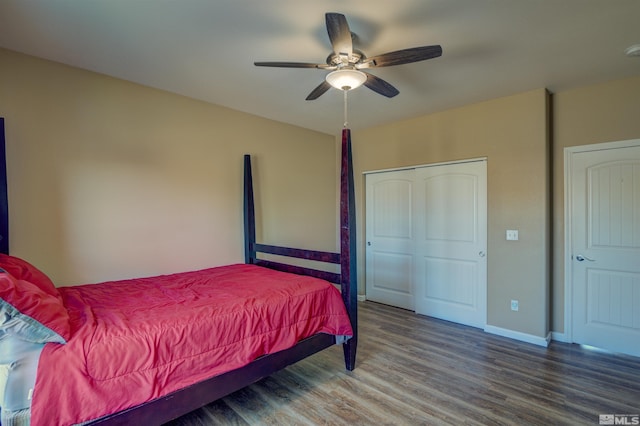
[346, 62]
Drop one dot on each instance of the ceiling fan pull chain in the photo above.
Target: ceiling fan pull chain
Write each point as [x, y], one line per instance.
[346, 123]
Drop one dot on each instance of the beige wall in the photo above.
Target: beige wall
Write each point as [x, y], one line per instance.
[109, 179]
[595, 114]
[512, 132]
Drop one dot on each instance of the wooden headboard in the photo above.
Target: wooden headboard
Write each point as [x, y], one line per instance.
[252, 248]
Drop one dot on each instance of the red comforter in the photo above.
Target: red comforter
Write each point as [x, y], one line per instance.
[136, 340]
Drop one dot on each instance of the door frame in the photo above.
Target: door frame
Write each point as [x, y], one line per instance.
[442, 163]
[568, 223]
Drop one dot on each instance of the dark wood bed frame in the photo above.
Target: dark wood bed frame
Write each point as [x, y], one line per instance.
[181, 402]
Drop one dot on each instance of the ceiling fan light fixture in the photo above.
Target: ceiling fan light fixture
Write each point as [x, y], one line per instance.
[346, 79]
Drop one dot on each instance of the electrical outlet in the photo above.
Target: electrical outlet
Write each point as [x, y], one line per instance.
[514, 305]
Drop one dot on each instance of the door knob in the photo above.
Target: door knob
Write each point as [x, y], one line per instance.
[581, 258]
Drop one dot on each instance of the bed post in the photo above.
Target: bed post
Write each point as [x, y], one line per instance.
[349, 282]
[249, 214]
[4, 204]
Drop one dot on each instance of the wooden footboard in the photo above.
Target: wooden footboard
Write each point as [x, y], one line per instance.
[346, 258]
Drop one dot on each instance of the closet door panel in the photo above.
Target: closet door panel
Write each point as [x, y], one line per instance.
[389, 238]
[450, 243]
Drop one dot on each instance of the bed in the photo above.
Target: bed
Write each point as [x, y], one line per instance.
[121, 368]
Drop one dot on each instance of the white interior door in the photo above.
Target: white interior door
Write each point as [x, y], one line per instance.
[389, 238]
[451, 242]
[605, 245]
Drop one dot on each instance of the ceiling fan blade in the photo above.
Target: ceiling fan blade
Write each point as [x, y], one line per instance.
[380, 86]
[405, 56]
[339, 34]
[318, 91]
[291, 65]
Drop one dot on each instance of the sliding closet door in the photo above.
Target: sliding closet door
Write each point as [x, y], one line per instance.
[389, 238]
[451, 240]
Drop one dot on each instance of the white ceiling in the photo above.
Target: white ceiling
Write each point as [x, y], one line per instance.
[205, 49]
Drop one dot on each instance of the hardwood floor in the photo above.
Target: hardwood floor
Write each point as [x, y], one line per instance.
[415, 370]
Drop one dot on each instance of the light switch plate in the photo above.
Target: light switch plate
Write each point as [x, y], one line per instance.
[512, 235]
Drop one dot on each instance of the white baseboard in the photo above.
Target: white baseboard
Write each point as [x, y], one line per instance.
[560, 337]
[517, 335]
[512, 334]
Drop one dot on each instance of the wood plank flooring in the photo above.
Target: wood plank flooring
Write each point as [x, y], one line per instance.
[415, 370]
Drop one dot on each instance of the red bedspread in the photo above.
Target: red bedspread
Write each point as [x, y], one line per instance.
[136, 340]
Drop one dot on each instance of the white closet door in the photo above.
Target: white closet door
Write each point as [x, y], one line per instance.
[451, 240]
[389, 238]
